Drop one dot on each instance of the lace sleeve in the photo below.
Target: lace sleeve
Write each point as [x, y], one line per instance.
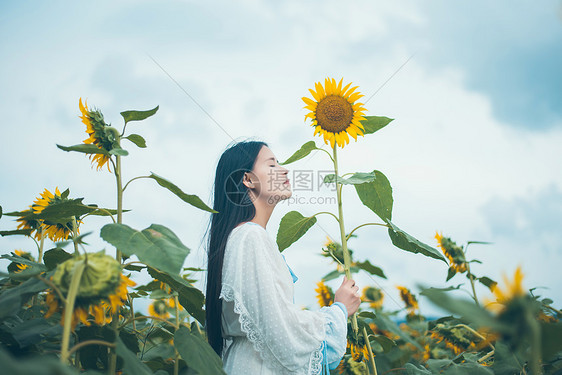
[336, 333]
[256, 278]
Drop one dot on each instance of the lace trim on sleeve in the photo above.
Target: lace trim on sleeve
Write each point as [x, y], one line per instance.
[255, 337]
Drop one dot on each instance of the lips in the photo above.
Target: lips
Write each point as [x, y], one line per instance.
[286, 182]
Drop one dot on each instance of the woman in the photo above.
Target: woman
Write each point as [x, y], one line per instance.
[251, 319]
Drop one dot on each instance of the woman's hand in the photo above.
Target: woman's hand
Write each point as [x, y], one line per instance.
[346, 295]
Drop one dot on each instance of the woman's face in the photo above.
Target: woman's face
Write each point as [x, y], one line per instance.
[268, 180]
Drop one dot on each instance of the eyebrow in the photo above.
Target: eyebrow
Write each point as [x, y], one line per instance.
[271, 159]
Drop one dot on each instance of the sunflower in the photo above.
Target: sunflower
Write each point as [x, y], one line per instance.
[99, 134]
[325, 294]
[357, 348]
[27, 221]
[53, 230]
[348, 366]
[453, 252]
[513, 290]
[408, 298]
[101, 293]
[373, 295]
[334, 113]
[20, 266]
[159, 308]
[101, 310]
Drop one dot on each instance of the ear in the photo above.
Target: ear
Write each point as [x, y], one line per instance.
[248, 180]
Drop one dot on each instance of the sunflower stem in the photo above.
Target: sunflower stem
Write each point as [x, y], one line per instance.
[115, 319]
[69, 309]
[346, 257]
[41, 243]
[75, 235]
[177, 361]
[471, 278]
[371, 356]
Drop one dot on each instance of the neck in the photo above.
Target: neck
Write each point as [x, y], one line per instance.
[263, 212]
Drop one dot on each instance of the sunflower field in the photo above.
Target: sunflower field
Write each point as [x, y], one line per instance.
[66, 308]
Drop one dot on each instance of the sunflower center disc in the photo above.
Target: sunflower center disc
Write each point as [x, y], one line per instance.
[334, 113]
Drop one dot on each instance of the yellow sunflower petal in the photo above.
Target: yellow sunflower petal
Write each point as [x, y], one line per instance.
[314, 95]
[308, 101]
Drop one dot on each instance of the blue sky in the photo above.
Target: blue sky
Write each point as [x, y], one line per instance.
[473, 151]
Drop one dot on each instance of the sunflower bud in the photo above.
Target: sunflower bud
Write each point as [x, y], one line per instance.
[101, 276]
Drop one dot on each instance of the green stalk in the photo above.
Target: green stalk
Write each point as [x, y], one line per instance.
[347, 261]
[41, 243]
[346, 257]
[69, 309]
[371, 356]
[177, 361]
[471, 278]
[75, 235]
[115, 319]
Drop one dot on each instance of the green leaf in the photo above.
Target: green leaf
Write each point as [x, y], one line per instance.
[355, 179]
[24, 232]
[331, 275]
[305, 149]
[129, 116]
[62, 212]
[441, 289]
[0, 212]
[374, 123]
[406, 242]
[377, 195]
[450, 273]
[118, 151]
[467, 309]
[155, 246]
[12, 299]
[412, 369]
[36, 365]
[386, 343]
[54, 257]
[292, 227]
[84, 148]
[367, 314]
[373, 270]
[191, 298]
[132, 365]
[197, 353]
[384, 322]
[137, 140]
[33, 268]
[132, 267]
[489, 283]
[193, 200]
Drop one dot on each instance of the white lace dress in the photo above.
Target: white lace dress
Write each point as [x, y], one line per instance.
[265, 332]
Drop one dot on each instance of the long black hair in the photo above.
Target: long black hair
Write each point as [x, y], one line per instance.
[234, 206]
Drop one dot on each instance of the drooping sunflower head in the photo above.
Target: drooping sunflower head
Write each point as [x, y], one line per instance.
[101, 277]
[325, 294]
[357, 347]
[374, 296]
[408, 298]
[102, 290]
[99, 134]
[334, 112]
[54, 230]
[453, 252]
